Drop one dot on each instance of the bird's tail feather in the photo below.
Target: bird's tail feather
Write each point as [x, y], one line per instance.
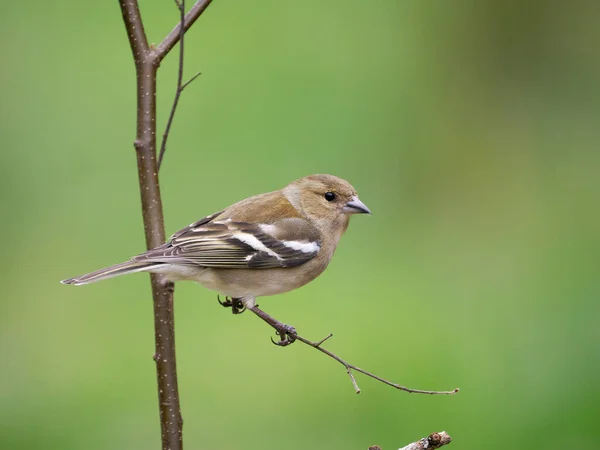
[112, 271]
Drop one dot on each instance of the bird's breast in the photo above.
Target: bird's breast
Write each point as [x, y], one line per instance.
[259, 282]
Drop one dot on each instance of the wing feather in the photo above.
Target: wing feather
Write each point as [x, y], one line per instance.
[229, 244]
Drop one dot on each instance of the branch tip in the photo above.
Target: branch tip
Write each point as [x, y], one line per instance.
[318, 344]
[173, 37]
[190, 80]
[431, 442]
[354, 383]
[350, 367]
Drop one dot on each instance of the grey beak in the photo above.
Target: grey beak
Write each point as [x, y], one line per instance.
[355, 206]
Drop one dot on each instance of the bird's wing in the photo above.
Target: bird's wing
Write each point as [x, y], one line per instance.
[231, 244]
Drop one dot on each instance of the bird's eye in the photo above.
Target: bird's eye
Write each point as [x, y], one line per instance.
[329, 196]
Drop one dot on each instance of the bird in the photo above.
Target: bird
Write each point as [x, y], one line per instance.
[263, 245]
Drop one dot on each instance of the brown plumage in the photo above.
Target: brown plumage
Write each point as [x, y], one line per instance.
[263, 245]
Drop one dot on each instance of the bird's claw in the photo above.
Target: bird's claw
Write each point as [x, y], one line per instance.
[287, 335]
[236, 304]
[226, 304]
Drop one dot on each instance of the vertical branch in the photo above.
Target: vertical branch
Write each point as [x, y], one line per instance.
[162, 293]
[146, 62]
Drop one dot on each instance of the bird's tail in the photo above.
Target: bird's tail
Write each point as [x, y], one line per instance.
[112, 271]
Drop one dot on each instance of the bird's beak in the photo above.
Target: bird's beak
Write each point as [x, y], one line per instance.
[355, 206]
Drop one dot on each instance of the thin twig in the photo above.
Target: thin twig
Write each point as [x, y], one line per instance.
[180, 85]
[329, 336]
[163, 145]
[184, 85]
[350, 367]
[354, 383]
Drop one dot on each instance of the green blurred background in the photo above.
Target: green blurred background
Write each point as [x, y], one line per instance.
[470, 128]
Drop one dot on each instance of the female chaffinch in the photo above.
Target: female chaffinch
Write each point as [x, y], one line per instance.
[264, 245]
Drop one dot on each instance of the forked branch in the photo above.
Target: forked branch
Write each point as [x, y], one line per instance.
[180, 84]
[288, 334]
[173, 37]
[350, 367]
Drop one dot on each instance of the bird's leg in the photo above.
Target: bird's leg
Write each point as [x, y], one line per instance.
[287, 334]
[236, 304]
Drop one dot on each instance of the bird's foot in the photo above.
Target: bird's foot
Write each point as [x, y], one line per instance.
[236, 304]
[287, 334]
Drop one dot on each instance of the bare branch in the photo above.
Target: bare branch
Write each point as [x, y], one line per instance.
[350, 367]
[353, 380]
[135, 29]
[329, 336]
[288, 334]
[180, 85]
[173, 37]
[147, 60]
[184, 85]
[163, 145]
[431, 442]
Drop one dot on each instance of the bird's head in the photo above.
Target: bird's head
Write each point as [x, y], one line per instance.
[328, 201]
